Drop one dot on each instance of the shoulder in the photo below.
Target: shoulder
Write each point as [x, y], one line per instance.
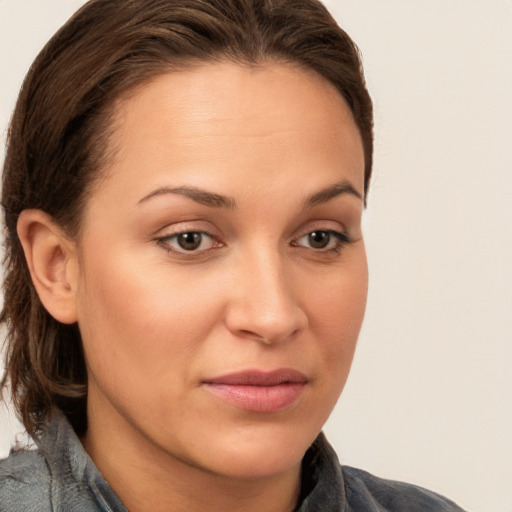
[363, 488]
[25, 482]
[33, 482]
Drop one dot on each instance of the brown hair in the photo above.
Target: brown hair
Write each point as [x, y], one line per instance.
[57, 133]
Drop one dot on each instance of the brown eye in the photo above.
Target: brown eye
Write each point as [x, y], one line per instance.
[319, 239]
[189, 241]
[192, 242]
[323, 240]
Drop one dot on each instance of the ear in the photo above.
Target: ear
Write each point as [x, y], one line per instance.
[52, 262]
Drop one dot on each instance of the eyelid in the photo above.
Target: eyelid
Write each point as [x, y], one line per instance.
[165, 242]
[188, 225]
[163, 236]
[320, 225]
[340, 239]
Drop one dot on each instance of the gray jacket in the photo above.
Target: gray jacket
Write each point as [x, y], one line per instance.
[60, 477]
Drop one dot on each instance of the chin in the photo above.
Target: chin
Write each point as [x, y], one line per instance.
[259, 453]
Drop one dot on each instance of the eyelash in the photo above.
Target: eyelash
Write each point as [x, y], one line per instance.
[165, 242]
[340, 240]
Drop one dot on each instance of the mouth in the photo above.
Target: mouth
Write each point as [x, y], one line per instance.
[259, 391]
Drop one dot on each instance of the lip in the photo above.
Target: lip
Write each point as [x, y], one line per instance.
[259, 391]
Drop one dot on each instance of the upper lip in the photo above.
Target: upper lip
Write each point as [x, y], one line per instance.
[259, 378]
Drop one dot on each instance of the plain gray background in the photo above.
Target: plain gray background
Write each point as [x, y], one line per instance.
[429, 399]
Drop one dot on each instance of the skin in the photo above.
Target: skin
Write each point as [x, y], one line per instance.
[157, 320]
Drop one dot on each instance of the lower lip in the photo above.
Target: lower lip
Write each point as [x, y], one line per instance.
[259, 398]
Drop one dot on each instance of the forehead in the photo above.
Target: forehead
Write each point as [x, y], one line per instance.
[216, 120]
[227, 92]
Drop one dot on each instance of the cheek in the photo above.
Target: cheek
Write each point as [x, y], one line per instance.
[337, 308]
[141, 325]
[338, 298]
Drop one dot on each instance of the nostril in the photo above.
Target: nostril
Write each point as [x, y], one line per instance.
[252, 335]
[269, 336]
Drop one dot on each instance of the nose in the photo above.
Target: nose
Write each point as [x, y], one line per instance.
[263, 304]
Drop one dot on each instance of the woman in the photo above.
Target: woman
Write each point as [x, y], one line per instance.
[186, 273]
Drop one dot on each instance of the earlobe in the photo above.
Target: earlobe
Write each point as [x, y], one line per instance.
[52, 262]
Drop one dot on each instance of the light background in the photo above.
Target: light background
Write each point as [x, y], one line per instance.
[430, 396]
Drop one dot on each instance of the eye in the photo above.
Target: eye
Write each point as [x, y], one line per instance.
[323, 240]
[189, 241]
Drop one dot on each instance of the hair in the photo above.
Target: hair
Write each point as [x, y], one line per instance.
[58, 142]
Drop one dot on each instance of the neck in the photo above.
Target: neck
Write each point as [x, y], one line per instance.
[146, 478]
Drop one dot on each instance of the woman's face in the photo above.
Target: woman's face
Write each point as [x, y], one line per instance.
[222, 271]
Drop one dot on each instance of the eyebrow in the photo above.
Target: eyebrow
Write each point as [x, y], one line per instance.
[196, 194]
[219, 201]
[330, 192]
